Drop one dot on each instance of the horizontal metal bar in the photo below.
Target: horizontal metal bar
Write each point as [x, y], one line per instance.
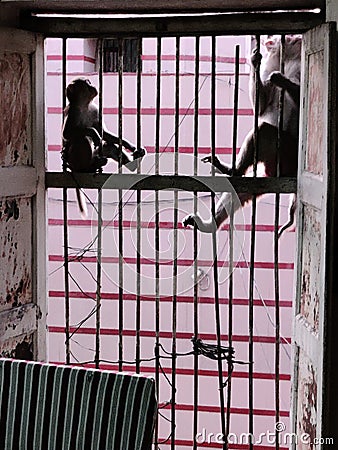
[171, 182]
[217, 24]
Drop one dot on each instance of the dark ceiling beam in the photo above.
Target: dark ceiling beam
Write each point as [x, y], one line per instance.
[162, 6]
[237, 24]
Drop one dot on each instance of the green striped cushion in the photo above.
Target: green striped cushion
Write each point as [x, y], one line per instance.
[52, 407]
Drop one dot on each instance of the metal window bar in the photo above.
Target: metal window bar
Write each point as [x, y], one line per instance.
[99, 221]
[120, 131]
[138, 201]
[195, 238]
[231, 243]
[175, 273]
[214, 240]
[252, 256]
[65, 214]
[157, 232]
[225, 424]
[276, 249]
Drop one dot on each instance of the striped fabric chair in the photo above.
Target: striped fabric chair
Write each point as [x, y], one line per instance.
[50, 407]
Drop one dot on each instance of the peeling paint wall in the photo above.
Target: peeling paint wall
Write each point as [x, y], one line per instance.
[315, 137]
[20, 348]
[307, 406]
[16, 252]
[18, 313]
[313, 372]
[311, 281]
[15, 105]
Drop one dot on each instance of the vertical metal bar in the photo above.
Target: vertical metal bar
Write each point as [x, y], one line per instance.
[235, 121]
[252, 259]
[99, 225]
[196, 123]
[174, 323]
[157, 230]
[276, 256]
[281, 107]
[65, 212]
[120, 107]
[214, 238]
[256, 112]
[138, 200]
[231, 240]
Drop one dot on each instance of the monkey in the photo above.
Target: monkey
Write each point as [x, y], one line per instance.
[270, 80]
[81, 134]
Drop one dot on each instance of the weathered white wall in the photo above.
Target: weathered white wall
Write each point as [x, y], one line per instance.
[21, 175]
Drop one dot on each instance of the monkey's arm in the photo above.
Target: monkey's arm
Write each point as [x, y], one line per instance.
[73, 129]
[113, 142]
[93, 133]
[280, 80]
[71, 126]
[255, 79]
[111, 149]
[220, 167]
[112, 139]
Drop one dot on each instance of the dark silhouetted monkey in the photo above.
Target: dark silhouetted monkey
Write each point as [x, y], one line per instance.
[82, 138]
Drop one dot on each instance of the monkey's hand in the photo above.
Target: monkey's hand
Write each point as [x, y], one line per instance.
[139, 153]
[189, 221]
[281, 81]
[256, 58]
[214, 161]
[97, 163]
[206, 226]
[220, 168]
[278, 79]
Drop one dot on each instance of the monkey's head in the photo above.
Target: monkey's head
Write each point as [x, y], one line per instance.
[80, 91]
[293, 44]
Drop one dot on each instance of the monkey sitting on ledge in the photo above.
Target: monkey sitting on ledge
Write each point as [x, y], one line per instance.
[82, 138]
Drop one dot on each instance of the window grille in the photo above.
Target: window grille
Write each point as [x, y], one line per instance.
[201, 370]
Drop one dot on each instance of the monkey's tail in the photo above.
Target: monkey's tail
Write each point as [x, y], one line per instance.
[81, 201]
[292, 213]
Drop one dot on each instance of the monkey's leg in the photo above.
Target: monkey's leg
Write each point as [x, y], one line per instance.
[94, 134]
[245, 157]
[267, 136]
[213, 223]
[223, 208]
[243, 161]
[112, 150]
